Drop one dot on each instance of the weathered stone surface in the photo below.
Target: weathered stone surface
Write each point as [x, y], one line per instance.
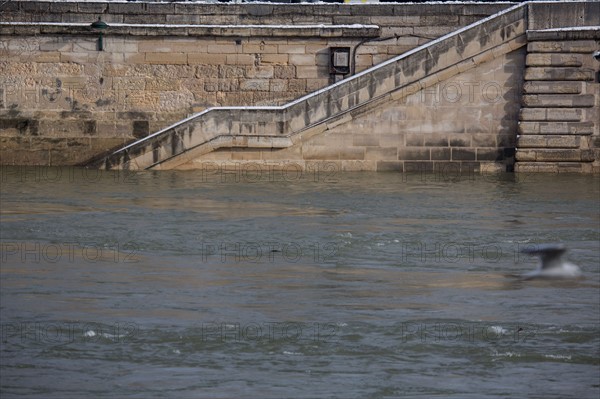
[559, 101]
[539, 73]
[575, 46]
[579, 128]
[464, 154]
[549, 87]
[282, 64]
[552, 59]
[547, 155]
[551, 114]
[548, 141]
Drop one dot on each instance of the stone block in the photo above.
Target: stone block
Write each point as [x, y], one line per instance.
[435, 140]
[259, 48]
[414, 154]
[558, 100]
[418, 166]
[316, 84]
[391, 139]
[291, 49]
[414, 139]
[310, 72]
[541, 73]
[381, 153]
[321, 152]
[222, 48]
[556, 155]
[569, 167]
[352, 153]
[550, 87]
[579, 128]
[525, 155]
[552, 59]
[260, 72]
[536, 167]
[47, 56]
[459, 140]
[276, 59]
[302, 59]
[254, 85]
[531, 141]
[166, 58]
[284, 72]
[441, 154]
[463, 154]
[389, 166]
[490, 154]
[365, 140]
[207, 59]
[562, 141]
[566, 46]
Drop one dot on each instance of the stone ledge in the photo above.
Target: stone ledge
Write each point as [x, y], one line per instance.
[578, 128]
[554, 155]
[562, 73]
[558, 100]
[554, 59]
[552, 114]
[581, 46]
[553, 87]
[548, 141]
[319, 30]
[575, 33]
[550, 167]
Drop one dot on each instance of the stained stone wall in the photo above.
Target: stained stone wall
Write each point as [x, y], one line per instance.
[462, 125]
[559, 128]
[62, 101]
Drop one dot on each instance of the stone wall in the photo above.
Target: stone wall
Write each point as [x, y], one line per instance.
[450, 103]
[461, 125]
[559, 128]
[63, 101]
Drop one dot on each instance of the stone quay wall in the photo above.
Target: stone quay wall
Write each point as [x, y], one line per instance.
[62, 101]
[559, 127]
[463, 102]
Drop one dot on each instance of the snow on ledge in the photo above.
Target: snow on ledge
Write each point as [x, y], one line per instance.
[120, 25]
[569, 29]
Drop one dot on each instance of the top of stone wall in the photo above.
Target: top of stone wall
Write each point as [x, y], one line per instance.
[245, 13]
[558, 34]
[326, 31]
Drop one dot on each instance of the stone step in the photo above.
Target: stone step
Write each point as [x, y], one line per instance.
[552, 114]
[564, 128]
[558, 100]
[559, 73]
[554, 59]
[554, 155]
[552, 87]
[548, 141]
[553, 167]
[566, 46]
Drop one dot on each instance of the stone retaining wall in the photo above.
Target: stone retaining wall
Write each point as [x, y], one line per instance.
[559, 123]
[63, 101]
[421, 110]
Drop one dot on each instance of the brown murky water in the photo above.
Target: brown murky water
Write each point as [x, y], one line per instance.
[179, 284]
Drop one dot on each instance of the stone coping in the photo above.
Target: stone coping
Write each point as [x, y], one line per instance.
[574, 33]
[314, 30]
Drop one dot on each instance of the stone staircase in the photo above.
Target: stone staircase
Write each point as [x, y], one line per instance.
[285, 126]
[559, 119]
[558, 130]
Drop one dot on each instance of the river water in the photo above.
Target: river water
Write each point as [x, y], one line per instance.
[276, 284]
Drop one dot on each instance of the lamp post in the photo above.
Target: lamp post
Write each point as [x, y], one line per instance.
[99, 26]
